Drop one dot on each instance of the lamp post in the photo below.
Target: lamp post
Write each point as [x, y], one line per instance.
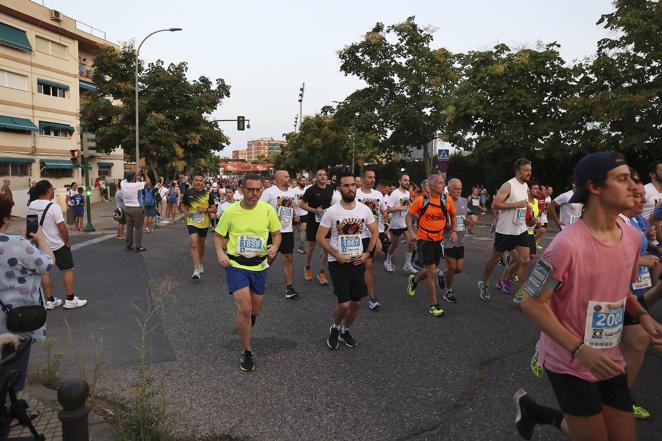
[303, 85]
[137, 119]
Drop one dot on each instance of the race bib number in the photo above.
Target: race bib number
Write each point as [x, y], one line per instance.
[604, 324]
[249, 246]
[459, 224]
[197, 218]
[350, 245]
[475, 202]
[520, 215]
[643, 279]
[318, 216]
[285, 214]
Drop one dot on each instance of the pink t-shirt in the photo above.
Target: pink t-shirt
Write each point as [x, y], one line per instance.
[595, 273]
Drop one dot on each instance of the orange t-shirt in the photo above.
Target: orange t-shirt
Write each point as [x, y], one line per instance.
[431, 225]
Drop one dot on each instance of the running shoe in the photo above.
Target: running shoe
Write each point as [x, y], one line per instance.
[417, 268]
[536, 369]
[388, 266]
[523, 421]
[201, 268]
[441, 280]
[409, 268]
[517, 298]
[515, 278]
[307, 274]
[75, 303]
[539, 246]
[321, 278]
[411, 285]
[484, 291]
[54, 304]
[300, 250]
[291, 293]
[332, 341]
[499, 285]
[347, 338]
[196, 275]
[436, 310]
[449, 297]
[246, 362]
[640, 413]
[507, 287]
[373, 304]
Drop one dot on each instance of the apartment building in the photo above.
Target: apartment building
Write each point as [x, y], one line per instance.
[262, 148]
[45, 75]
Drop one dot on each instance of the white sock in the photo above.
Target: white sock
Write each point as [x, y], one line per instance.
[389, 257]
[343, 329]
[336, 326]
[408, 258]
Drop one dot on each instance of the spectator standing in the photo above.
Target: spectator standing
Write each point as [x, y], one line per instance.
[163, 202]
[172, 198]
[119, 203]
[133, 211]
[5, 191]
[51, 220]
[147, 199]
[79, 209]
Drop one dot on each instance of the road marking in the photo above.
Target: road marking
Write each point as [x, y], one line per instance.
[78, 246]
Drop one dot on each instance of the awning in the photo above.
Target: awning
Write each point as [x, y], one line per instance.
[86, 86]
[16, 124]
[105, 164]
[5, 160]
[55, 126]
[14, 38]
[62, 164]
[52, 84]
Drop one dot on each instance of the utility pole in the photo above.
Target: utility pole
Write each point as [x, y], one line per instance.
[303, 86]
[88, 153]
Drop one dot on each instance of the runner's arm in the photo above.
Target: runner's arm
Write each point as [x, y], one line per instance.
[304, 206]
[326, 245]
[275, 244]
[500, 199]
[221, 245]
[552, 211]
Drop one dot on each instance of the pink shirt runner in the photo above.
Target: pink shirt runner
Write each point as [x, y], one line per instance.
[589, 271]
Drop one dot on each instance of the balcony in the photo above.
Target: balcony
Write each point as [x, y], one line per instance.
[85, 71]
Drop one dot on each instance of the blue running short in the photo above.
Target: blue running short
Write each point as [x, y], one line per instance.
[239, 278]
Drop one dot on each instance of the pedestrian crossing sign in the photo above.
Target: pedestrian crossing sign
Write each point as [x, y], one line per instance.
[444, 154]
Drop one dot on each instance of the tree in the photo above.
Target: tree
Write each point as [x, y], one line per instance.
[408, 85]
[173, 128]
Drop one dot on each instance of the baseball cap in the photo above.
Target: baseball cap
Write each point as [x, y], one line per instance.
[592, 167]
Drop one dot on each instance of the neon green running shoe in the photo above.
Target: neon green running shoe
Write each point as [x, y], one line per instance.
[436, 311]
[536, 369]
[517, 298]
[515, 278]
[640, 413]
[411, 285]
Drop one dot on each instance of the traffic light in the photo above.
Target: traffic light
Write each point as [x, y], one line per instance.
[241, 123]
[88, 192]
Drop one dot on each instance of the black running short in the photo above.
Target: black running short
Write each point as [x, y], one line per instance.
[303, 219]
[430, 253]
[201, 232]
[454, 253]
[397, 231]
[286, 243]
[311, 229]
[508, 242]
[581, 398]
[348, 281]
[532, 244]
[64, 260]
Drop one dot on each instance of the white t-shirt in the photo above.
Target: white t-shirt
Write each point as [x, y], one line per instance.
[512, 221]
[570, 213]
[163, 192]
[346, 228]
[70, 193]
[398, 198]
[298, 191]
[220, 208]
[377, 205]
[337, 197]
[53, 217]
[130, 191]
[237, 197]
[284, 203]
[653, 200]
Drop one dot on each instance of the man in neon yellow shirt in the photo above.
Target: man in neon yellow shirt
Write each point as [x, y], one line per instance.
[241, 247]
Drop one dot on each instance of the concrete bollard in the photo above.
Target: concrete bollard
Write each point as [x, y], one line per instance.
[72, 395]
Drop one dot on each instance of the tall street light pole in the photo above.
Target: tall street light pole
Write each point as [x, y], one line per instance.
[137, 115]
[303, 85]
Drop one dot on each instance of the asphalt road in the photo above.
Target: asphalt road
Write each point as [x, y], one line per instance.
[412, 376]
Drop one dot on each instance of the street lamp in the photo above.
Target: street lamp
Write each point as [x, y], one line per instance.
[303, 85]
[137, 121]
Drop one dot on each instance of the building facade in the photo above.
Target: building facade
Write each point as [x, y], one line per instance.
[45, 73]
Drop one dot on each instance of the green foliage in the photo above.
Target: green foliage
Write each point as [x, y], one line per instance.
[48, 372]
[173, 128]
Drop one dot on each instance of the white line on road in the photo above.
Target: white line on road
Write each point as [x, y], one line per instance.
[91, 242]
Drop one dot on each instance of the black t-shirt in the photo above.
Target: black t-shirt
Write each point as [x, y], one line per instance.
[318, 197]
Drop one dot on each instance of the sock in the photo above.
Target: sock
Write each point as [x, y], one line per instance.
[343, 329]
[389, 257]
[253, 318]
[547, 415]
[289, 286]
[70, 297]
[408, 257]
[51, 299]
[336, 326]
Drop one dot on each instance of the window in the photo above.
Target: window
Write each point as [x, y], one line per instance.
[51, 48]
[15, 169]
[105, 171]
[57, 173]
[51, 90]
[13, 80]
[54, 132]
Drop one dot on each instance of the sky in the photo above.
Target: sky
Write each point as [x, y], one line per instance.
[265, 49]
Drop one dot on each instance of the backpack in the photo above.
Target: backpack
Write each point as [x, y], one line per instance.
[426, 204]
[148, 198]
[157, 195]
[172, 196]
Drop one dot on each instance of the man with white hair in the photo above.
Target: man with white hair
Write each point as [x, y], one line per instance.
[454, 250]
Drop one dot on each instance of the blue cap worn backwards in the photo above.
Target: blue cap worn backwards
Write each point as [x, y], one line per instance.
[592, 167]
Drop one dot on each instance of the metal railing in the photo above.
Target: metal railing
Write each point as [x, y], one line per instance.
[79, 24]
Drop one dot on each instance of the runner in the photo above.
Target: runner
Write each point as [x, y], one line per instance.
[283, 199]
[475, 209]
[653, 188]
[433, 210]
[541, 226]
[374, 200]
[239, 194]
[397, 206]
[581, 328]
[299, 190]
[455, 250]
[347, 257]
[570, 212]
[315, 200]
[225, 203]
[241, 247]
[197, 203]
[512, 201]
